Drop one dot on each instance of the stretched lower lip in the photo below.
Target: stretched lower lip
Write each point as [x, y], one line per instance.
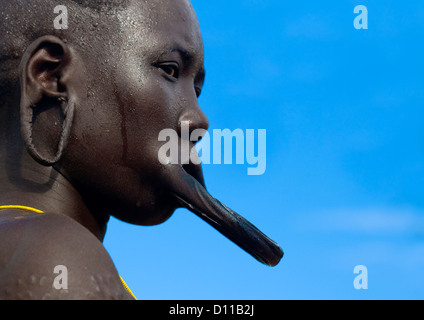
[186, 184]
[196, 172]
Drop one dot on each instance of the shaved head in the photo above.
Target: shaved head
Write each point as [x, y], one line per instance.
[24, 21]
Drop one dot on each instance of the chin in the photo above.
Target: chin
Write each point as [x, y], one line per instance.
[149, 214]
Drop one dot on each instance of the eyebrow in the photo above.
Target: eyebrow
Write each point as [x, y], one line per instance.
[183, 52]
[189, 57]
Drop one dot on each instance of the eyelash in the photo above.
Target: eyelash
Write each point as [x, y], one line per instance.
[171, 69]
[198, 91]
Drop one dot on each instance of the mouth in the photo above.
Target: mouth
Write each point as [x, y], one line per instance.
[195, 171]
[186, 184]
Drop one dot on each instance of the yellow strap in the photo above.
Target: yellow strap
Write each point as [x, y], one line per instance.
[127, 288]
[21, 208]
[39, 211]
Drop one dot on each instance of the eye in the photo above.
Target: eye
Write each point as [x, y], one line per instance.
[171, 69]
[198, 91]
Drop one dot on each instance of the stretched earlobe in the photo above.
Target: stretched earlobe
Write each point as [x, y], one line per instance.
[48, 98]
[39, 152]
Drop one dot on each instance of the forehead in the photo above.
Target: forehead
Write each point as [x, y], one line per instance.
[161, 25]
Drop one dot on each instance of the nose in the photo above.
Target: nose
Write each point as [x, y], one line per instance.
[195, 118]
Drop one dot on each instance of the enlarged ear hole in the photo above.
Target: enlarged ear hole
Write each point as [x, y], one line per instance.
[46, 137]
[47, 98]
[47, 124]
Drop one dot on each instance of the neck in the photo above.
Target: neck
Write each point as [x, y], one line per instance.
[25, 182]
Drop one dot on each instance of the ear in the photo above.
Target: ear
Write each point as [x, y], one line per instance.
[49, 78]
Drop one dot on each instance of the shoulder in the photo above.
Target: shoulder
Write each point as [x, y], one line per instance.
[49, 256]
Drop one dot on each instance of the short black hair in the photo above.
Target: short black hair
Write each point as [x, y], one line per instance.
[23, 21]
[102, 4]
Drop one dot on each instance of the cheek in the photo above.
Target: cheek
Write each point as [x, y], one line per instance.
[95, 147]
[147, 107]
[103, 164]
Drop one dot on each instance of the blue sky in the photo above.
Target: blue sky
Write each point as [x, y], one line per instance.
[343, 110]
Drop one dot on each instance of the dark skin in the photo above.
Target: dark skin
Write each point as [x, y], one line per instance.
[82, 157]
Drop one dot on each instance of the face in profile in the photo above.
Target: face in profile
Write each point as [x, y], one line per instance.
[154, 76]
[151, 82]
